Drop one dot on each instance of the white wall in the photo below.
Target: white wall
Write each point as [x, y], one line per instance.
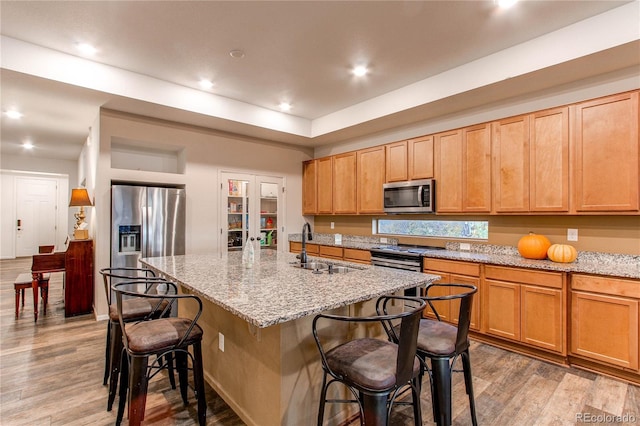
[206, 152]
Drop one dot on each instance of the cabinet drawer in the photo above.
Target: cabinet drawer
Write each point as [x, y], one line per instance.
[330, 251]
[525, 276]
[296, 247]
[460, 268]
[355, 255]
[612, 286]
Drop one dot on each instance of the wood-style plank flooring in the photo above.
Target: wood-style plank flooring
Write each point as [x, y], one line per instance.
[51, 374]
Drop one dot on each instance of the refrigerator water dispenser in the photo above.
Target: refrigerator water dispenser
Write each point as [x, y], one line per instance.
[129, 238]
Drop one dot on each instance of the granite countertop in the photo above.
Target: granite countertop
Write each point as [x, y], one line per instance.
[606, 264]
[274, 291]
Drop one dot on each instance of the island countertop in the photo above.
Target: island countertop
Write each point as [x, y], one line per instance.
[274, 291]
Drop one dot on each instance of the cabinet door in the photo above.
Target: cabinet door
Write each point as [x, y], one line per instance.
[501, 309]
[606, 144]
[448, 171]
[510, 153]
[475, 307]
[397, 162]
[420, 158]
[443, 307]
[549, 173]
[605, 328]
[324, 186]
[370, 178]
[309, 192]
[476, 161]
[541, 319]
[357, 255]
[344, 183]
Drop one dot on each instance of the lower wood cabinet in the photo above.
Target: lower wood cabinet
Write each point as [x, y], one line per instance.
[453, 272]
[604, 320]
[525, 306]
[333, 252]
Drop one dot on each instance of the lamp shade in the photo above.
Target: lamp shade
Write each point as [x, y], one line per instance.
[80, 198]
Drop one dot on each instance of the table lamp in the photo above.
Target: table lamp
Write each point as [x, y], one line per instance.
[80, 198]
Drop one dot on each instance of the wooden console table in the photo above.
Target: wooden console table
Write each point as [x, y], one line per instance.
[77, 264]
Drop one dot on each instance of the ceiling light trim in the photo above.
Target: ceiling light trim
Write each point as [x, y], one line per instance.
[578, 40]
[36, 60]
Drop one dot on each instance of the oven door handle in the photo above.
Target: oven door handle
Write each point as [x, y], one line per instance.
[420, 195]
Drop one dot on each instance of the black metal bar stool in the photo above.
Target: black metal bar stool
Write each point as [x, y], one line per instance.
[443, 344]
[375, 371]
[135, 309]
[158, 337]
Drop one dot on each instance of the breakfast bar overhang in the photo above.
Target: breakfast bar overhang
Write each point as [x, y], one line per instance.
[258, 348]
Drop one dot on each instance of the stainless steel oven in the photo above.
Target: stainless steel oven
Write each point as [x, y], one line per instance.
[405, 257]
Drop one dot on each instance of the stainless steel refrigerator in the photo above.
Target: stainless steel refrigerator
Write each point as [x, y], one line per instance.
[146, 222]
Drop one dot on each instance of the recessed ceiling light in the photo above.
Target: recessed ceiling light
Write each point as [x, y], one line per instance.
[237, 53]
[285, 106]
[360, 71]
[13, 114]
[206, 84]
[505, 4]
[27, 145]
[86, 48]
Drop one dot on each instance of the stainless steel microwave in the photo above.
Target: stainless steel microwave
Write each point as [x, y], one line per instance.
[415, 196]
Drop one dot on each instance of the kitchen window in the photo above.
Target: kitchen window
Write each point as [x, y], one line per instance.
[467, 229]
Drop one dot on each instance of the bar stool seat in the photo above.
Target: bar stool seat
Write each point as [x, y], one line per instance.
[24, 282]
[133, 309]
[375, 371]
[159, 336]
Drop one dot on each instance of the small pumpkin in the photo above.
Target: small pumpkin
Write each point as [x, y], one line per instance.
[563, 253]
[533, 246]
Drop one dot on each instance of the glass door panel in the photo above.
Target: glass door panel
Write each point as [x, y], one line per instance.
[268, 215]
[237, 213]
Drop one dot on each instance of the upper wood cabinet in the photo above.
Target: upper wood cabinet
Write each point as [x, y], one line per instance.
[324, 185]
[549, 161]
[410, 160]
[420, 157]
[462, 161]
[511, 165]
[344, 183]
[397, 163]
[606, 154]
[370, 178]
[448, 171]
[531, 162]
[309, 187]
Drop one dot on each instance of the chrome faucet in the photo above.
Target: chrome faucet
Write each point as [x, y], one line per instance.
[303, 253]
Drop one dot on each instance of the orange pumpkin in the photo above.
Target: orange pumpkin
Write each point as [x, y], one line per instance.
[563, 253]
[534, 246]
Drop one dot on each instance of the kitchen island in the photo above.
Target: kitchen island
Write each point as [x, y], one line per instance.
[258, 349]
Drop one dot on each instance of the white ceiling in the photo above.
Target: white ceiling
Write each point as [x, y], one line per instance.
[154, 53]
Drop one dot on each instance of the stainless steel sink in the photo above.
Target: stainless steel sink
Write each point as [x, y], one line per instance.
[312, 265]
[320, 267]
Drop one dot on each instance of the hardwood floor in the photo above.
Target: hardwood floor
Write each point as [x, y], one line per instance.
[51, 374]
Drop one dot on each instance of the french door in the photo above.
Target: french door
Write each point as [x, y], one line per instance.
[251, 207]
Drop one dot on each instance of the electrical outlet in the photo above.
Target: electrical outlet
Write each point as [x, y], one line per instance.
[572, 234]
[384, 240]
[465, 246]
[333, 225]
[221, 341]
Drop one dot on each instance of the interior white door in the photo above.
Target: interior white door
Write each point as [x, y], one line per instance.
[36, 204]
